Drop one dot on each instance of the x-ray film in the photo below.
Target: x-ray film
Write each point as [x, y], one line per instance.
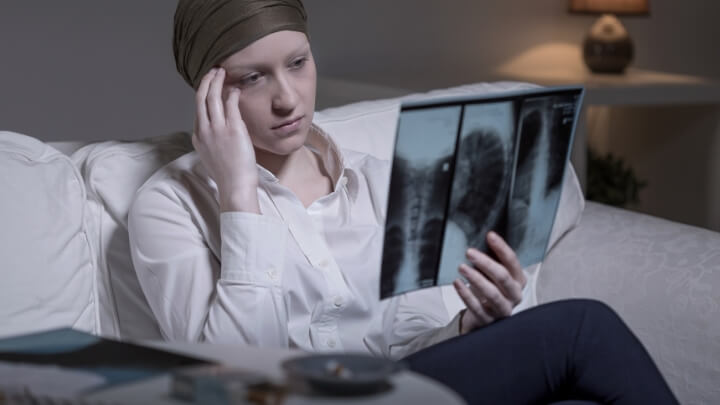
[544, 133]
[419, 182]
[463, 167]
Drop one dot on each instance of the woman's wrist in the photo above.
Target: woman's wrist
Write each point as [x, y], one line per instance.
[245, 200]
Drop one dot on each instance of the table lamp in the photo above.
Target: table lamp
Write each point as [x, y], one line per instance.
[608, 47]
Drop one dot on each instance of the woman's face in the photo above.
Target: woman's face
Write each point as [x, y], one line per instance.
[277, 79]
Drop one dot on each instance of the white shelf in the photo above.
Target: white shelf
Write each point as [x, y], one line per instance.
[634, 87]
[685, 135]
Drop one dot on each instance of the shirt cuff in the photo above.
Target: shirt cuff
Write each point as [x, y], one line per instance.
[252, 250]
[452, 329]
[449, 331]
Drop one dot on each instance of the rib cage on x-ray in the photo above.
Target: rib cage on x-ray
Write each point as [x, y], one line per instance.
[545, 129]
[478, 201]
[482, 173]
[482, 177]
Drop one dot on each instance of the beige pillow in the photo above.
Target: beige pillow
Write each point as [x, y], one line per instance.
[369, 127]
[113, 171]
[47, 267]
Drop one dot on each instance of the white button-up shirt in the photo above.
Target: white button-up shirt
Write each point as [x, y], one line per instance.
[294, 277]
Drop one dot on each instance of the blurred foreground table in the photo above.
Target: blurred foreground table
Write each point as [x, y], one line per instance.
[407, 387]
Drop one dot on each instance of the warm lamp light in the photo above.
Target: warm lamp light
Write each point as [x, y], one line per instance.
[608, 47]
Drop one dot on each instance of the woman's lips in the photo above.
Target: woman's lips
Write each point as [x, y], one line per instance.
[289, 126]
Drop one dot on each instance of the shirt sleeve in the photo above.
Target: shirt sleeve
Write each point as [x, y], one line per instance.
[192, 295]
[411, 322]
[416, 330]
[416, 320]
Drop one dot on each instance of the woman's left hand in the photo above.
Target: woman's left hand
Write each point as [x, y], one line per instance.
[495, 287]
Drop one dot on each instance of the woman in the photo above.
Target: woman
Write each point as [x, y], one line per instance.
[270, 235]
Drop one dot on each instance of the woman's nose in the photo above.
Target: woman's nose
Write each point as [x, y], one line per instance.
[286, 97]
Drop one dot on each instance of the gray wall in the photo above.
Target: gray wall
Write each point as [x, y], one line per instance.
[90, 69]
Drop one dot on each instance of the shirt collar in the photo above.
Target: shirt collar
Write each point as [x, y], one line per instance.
[320, 143]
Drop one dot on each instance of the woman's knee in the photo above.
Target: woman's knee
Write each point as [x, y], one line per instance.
[588, 304]
[591, 312]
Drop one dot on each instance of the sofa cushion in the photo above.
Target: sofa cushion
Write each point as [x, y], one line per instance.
[113, 171]
[47, 262]
[661, 277]
[370, 126]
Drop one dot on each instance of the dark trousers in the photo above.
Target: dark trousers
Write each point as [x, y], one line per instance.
[565, 350]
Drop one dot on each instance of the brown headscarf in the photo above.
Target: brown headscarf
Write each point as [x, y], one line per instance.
[208, 31]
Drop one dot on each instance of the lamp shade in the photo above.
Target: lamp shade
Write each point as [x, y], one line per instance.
[619, 7]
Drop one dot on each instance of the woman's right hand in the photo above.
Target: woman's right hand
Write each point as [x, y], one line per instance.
[223, 144]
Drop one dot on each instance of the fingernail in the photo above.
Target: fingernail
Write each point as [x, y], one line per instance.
[492, 236]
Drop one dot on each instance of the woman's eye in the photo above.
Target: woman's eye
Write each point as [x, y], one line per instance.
[250, 79]
[298, 63]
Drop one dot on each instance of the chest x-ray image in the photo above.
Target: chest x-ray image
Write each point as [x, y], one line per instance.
[419, 186]
[483, 173]
[544, 137]
[463, 169]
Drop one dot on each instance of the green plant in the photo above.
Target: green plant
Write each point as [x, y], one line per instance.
[611, 182]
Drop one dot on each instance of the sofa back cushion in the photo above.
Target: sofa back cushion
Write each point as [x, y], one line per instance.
[113, 171]
[47, 265]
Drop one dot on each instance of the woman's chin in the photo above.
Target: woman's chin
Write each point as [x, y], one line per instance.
[283, 146]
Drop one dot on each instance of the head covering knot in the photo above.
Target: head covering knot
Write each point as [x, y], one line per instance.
[208, 31]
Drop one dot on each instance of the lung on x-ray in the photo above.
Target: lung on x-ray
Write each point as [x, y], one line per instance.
[464, 167]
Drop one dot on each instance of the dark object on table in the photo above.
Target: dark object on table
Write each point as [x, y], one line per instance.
[219, 384]
[342, 374]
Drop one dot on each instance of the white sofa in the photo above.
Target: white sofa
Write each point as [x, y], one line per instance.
[64, 257]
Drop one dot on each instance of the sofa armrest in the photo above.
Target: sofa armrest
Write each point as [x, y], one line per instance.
[661, 277]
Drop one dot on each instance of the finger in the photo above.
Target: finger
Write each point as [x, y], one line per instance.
[472, 302]
[200, 97]
[497, 273]
[195, 141]
[497, 304]
[214, 99]
[232, 111]
[507, 256]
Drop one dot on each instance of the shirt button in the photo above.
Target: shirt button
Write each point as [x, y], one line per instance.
[343, 181]
[338, 301]
[272, 273]
[331, 343]
[323, 264]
